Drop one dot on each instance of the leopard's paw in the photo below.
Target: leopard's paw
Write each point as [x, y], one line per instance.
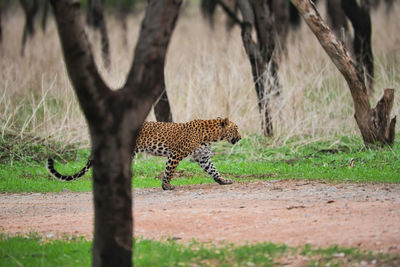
[224, 181]
[167, 186]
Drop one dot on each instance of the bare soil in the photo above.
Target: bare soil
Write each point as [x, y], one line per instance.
[290, 212]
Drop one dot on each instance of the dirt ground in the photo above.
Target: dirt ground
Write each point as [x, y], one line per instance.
[290, 212]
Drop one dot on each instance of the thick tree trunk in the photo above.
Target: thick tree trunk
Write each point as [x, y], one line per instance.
[375, 124]
[30, 8]
[256, 14]
[95, 18]
[361, 21]
[162, 109]
[115, 117]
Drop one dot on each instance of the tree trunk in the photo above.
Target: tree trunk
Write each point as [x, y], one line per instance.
[123, 9]
[208, 10]
[45, 15]
[256, 14]
[115, 117]
[375, 125]
[1, 29]
[361, 21]
[294, 16]
[281, 13]
[337, 20]
[162, 109]
[30, 9]
[95, 18]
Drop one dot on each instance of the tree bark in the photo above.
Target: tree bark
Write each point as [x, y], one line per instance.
[95, 18]
[256, 14]
[115, 117]
[30, 9]
[375, 125]
[361, 20]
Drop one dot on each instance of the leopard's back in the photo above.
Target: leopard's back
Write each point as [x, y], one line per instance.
[163, 138]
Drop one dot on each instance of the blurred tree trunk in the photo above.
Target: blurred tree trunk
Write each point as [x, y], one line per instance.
[375, 124]
[294, 17]
[45, 14]
[281, 14]
[96, 19]
[256, 15]
[30, 8]
[337, 20]
[208, 9]
[1, 29]
[361, 20]
[115, 117]
[389, 5]
[122, 13]
[162, 109]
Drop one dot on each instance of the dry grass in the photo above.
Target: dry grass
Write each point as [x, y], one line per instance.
[207, 75]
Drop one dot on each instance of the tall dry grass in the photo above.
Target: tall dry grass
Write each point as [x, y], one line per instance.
[207, 75]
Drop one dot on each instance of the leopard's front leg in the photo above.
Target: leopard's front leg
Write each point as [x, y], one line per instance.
[203, 157]
[170, 168]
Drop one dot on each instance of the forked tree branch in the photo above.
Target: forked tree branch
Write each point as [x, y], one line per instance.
[366, 118]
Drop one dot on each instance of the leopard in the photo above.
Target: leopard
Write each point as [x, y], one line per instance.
[175, 141]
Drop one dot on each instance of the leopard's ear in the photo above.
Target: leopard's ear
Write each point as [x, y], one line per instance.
[224, 122]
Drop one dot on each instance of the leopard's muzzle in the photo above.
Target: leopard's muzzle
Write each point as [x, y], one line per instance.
[235, 140]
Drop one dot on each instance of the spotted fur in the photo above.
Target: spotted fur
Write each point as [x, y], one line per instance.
[177, 141]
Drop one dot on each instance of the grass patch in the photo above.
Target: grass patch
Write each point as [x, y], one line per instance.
[34, 250]
[252, 159]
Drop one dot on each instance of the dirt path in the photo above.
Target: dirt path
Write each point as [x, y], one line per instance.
[291, 212]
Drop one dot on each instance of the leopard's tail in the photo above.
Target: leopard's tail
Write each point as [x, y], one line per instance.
[56, 174]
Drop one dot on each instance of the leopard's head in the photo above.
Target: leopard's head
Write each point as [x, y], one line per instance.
[230, 131]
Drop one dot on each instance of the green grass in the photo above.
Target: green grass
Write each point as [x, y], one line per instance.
[37, 251]
[254, 158]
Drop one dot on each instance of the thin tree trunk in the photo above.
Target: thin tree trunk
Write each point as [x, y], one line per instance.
[281, 12]
[115, 117]
[361, 21]
[96, 19]
[389, 6]
[208, 10]
[337, 20]
[375, 124]
[45, 15]
[256, 14]
[162, 109]
[1, 29]
[30, 8]
[294, 16]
